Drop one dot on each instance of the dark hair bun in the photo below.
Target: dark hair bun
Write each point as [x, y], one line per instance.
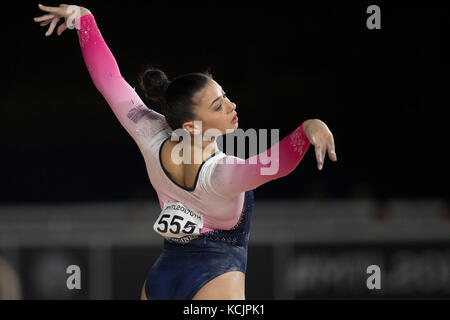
[154, 83]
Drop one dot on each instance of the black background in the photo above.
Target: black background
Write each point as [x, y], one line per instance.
[383, 93]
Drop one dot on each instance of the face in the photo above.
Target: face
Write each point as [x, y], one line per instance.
[214, 109]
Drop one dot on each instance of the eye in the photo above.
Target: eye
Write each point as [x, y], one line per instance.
[220, 106]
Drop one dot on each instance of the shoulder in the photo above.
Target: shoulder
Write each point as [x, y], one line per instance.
[214, 174]
[149, 124]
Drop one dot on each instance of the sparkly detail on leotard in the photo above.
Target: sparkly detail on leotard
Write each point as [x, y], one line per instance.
[88, 29]
[139, 112]
[298, 141]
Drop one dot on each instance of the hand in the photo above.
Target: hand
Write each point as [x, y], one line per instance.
[322, 139]
[56, 13]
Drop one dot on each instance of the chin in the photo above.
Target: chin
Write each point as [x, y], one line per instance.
[235, 126]
[229, 128]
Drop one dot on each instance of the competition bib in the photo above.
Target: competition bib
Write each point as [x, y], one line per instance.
[177, 221]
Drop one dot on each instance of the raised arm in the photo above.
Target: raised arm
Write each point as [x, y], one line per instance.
[138, 120]
[104, 71]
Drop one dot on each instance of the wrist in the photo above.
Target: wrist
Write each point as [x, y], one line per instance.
[84, 12]
[307, 123]
[306, 127]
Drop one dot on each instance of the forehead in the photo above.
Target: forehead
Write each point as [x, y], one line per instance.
[211, 91]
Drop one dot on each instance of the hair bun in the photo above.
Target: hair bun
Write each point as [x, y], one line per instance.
[154, 83]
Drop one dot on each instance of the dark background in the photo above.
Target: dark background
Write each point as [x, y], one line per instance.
[383, 93]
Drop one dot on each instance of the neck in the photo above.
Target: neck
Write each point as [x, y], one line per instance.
[207, 148]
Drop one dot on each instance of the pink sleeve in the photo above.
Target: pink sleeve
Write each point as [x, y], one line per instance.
[232, 175]
[138, 120]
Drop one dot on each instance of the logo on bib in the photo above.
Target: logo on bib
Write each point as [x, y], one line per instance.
[177, 221]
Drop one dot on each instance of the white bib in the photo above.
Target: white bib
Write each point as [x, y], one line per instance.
[177, 221]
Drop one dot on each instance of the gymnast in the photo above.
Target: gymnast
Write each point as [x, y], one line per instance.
[205, 205]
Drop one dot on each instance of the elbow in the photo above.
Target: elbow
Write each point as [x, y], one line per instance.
[275, 170]
[101, 84]
[99, 88]
[103, 80]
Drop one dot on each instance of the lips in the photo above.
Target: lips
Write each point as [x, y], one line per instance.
[235, 119]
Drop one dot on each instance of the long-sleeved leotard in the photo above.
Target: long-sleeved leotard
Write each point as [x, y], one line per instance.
[139, 121]
[223, 187]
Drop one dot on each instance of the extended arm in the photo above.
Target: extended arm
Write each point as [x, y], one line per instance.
[231, 175]
[121, 97]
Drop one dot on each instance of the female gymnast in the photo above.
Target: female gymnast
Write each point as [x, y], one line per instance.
[206, 206]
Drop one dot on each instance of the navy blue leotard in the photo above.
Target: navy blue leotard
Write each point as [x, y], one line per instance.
[182, 269]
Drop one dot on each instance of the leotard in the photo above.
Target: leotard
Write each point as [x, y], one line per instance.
[205, 229]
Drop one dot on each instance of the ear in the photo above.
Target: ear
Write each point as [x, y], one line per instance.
[189, 127]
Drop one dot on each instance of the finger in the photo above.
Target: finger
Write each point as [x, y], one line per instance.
[319, 157]
[57, 11]
[331, 149]
[61, 28]
[48, 9]
[331, 153]
[52, 26]
[43, 24]
[323, 150]
[44, 17]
